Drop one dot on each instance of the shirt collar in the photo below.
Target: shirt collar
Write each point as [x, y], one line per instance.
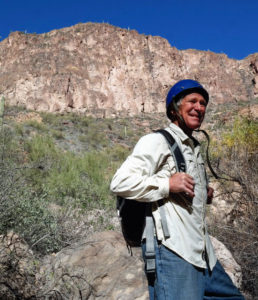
[179, 132]
[182, 136]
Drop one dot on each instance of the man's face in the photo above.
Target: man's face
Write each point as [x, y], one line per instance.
[192, 109]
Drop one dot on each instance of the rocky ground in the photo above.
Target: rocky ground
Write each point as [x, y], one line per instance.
[99, 267]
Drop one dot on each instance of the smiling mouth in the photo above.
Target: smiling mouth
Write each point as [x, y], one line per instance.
[196, 117]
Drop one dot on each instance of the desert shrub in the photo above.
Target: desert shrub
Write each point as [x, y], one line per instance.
[60, 174]
[25, 212]
[50, 177]
[80, 177]
[62, 119]
[10, 149]
[41, 154]
[96, 138]
[83, 138]
[51, 197]
[118, 153]
[243, 135]
[236, 155]
[57, 134]
[19, 129]
[41, 147]
[51, 119]
[35, 125]
[21, 209]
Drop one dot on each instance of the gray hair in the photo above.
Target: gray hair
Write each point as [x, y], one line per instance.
[172, 116]
[179, 102]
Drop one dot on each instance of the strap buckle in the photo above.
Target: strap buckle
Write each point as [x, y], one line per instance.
[150, 262]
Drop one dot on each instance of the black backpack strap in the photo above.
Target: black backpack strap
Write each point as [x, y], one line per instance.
[175, 150]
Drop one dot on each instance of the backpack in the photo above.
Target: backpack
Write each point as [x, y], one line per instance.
[135, 215]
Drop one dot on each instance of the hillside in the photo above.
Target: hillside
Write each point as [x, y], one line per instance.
[55, 173]
[77, 100]
[106, 71]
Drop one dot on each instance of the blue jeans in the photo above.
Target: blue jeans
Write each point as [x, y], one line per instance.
[176, 279]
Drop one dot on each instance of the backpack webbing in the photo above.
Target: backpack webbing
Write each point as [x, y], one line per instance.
[149, 231]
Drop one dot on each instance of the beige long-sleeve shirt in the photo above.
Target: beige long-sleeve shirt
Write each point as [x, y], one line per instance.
[144, 176]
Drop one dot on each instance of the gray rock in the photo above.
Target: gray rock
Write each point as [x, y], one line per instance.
[98, 268]
[228, 262]
[101, 268]
[17, 268]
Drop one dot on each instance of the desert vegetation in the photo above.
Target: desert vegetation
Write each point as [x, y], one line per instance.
[55, 173]
[235, 155]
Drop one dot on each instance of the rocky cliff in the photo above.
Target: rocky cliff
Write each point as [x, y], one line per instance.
[104, 70]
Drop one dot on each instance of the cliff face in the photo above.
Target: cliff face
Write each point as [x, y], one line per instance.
[104, 70]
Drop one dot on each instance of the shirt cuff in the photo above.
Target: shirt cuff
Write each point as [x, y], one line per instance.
[164, 188]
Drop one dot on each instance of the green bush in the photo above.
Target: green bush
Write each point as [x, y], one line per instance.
[80, 177]
[36, 125]
[25, 212]
[61, 174]
[118, 153]
[243, 135]
[57, 134]
[41, 148]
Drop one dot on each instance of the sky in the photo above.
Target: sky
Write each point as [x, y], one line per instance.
[221, 26]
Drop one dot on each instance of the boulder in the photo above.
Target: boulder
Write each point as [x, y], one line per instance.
[102, 268]
[17, 268]
[228, 262]
[97, 268]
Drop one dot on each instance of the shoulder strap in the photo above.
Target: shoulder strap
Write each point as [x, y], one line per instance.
[175, 150]
[180, 167]
[150, 244]
[150, 248]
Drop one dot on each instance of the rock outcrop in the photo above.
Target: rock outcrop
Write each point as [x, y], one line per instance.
[103, 70]
[98, 267]
[17, 268]
[228, 262]
[101, 268]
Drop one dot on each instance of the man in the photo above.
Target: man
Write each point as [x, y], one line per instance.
[186, 265]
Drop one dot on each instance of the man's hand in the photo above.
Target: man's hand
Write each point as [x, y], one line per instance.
[182, 183]
[210, 192]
